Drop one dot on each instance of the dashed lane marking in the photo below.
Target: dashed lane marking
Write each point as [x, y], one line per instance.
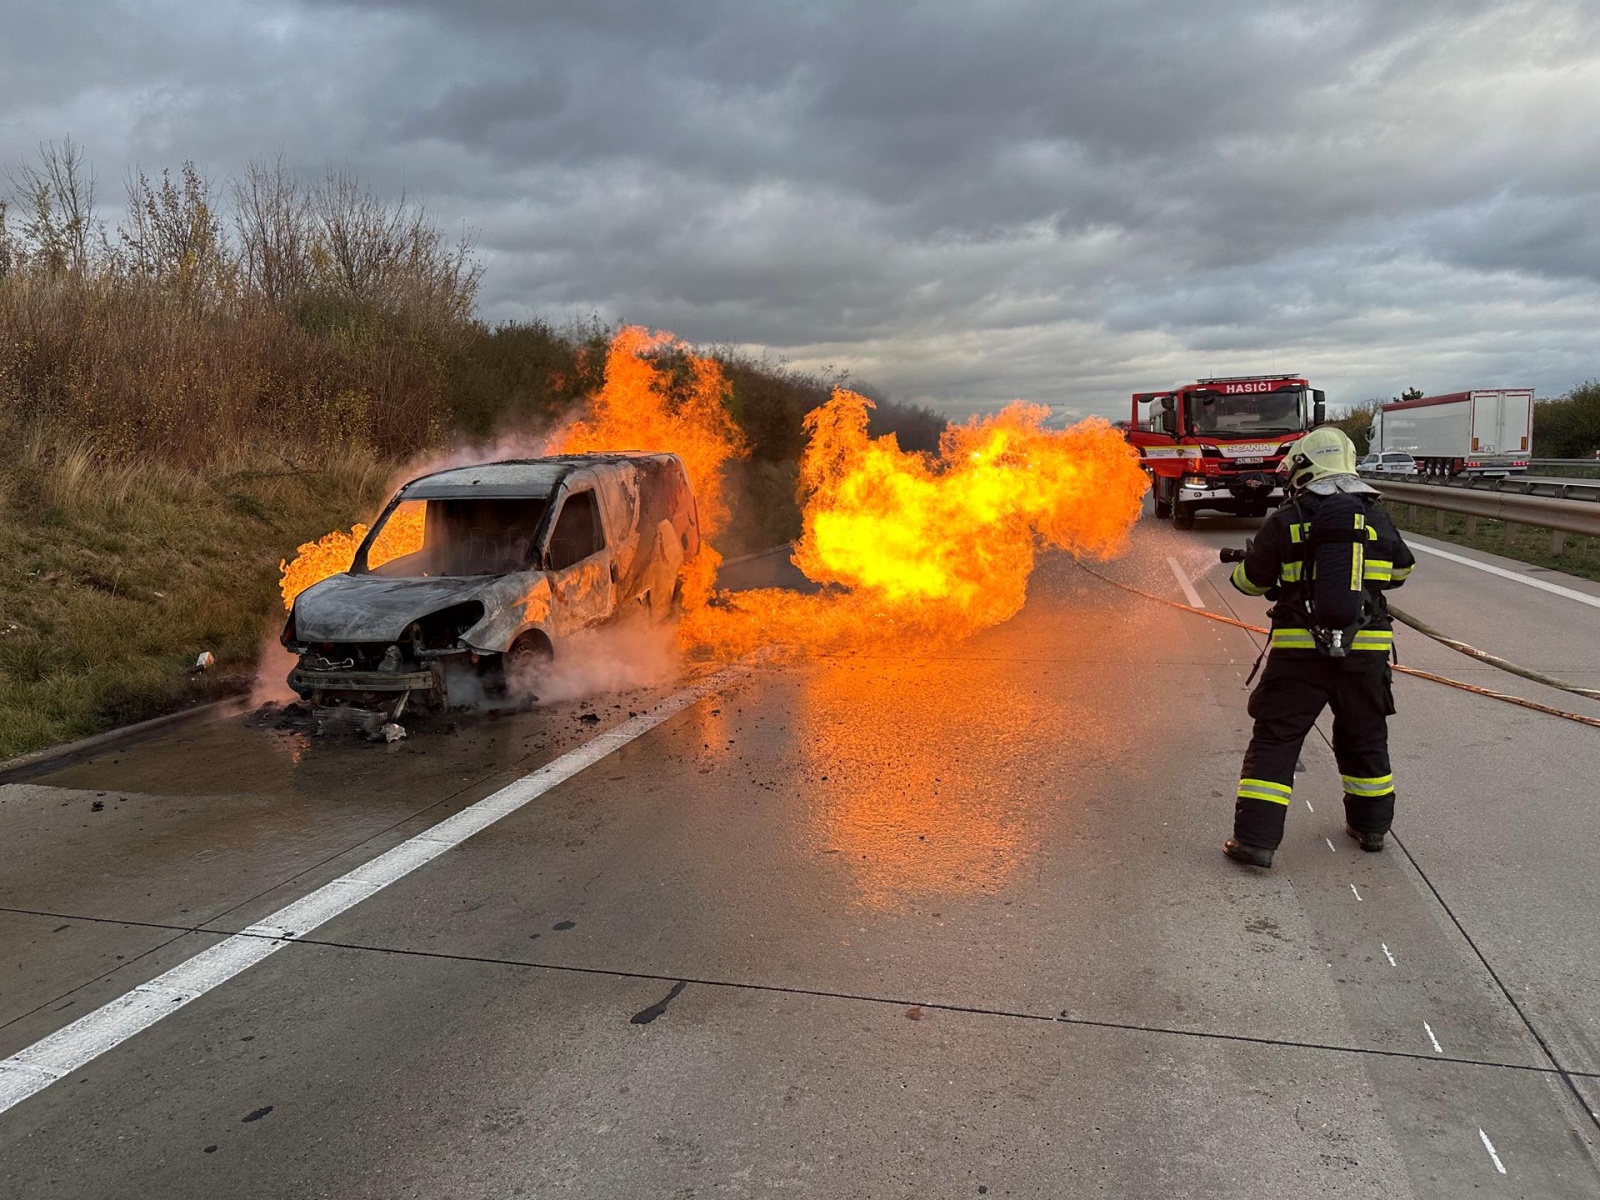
[1387, 955]
[1489, 1146]
[1353, 889]
[1189, 594]
[1331, 850]
[68, 1049]
[1308, 804]
[1437, 1049]
[1517, 576]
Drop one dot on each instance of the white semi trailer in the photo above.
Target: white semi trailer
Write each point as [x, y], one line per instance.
[1483, 432]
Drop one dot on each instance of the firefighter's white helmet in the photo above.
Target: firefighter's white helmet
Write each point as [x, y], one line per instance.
[1322, 452]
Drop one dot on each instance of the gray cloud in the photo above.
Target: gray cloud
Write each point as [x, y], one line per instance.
[962, 203]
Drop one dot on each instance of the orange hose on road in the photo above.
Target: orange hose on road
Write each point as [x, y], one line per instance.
[1520, 701]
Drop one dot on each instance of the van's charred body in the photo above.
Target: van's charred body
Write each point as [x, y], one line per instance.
[472, 570]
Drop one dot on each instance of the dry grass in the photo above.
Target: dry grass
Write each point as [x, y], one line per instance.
[115, 574]
[141, 371]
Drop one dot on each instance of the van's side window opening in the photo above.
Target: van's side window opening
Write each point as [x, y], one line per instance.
[577, 534]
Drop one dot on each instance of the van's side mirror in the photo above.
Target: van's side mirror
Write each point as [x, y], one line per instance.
[1319, 407]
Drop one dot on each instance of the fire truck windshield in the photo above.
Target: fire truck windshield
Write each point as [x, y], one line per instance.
[1247, 415]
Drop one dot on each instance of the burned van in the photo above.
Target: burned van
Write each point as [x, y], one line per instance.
[473, 573]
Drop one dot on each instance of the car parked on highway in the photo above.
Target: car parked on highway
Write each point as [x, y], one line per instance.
[475, 573]
[1390, 462]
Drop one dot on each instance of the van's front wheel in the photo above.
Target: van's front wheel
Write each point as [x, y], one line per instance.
[520, 670]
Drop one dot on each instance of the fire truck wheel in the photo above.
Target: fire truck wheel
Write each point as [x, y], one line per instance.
[1183, 515]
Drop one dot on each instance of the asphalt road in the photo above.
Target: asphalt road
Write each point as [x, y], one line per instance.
[949, 924]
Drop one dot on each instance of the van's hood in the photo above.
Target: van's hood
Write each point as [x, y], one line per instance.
[371, 608]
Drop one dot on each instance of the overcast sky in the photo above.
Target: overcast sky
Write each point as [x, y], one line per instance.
[960, 202]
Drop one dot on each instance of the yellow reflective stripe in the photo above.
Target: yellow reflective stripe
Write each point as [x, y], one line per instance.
[1265, 789]
[1301, 639]
[1242, 582]
[1299, 533]
[1378, 570]
[1373, 785]
[1293, 639]
[1358, 555]
[1400, 573]
[1291, 572]
[1372, 533]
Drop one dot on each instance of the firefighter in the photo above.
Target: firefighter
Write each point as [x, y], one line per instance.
[1325, 558]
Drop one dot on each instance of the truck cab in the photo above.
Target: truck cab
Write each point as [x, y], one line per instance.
[1216, 444]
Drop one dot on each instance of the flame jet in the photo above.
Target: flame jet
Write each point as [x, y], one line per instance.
[933, 547]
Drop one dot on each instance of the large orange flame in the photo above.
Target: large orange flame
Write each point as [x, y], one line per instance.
[658, 396]
[933, 547]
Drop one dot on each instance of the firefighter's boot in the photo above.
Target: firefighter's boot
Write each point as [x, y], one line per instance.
[1370, 842]
[1367, 817]
[1244, 852]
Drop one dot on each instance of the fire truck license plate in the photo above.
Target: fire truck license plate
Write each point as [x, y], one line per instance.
[1250, 460]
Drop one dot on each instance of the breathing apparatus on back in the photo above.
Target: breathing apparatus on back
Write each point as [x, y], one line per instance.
[1333, 598]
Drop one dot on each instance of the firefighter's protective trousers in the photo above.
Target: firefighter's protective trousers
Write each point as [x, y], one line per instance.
[1294, 689]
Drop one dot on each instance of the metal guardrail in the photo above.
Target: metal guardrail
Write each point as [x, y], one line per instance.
[1564, 462]
[1563, 515]
[1522, 485]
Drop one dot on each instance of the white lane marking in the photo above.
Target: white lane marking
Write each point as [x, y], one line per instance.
[1353, 889]
[1437, 1049]
[1387, 955]
[1542, 585]
[68, 1049]
[1189, 594]
[1331, 850]
[1489, 1146]
[1308, 804]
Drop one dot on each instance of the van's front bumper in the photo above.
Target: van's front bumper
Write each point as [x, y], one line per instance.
[306, 682]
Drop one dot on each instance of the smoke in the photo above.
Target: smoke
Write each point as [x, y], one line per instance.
[273, 664]
[595, 662]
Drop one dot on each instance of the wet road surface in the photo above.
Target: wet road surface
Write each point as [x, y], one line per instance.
[948, 924]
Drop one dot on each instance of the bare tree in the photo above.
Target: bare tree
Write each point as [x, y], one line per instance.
[390, 254]
[8, 252]
[172, 234]
[272, 221]
[56, 194]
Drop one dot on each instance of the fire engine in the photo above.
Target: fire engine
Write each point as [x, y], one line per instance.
[1216, 443]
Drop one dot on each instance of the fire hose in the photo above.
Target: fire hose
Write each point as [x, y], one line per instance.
[1461, 647]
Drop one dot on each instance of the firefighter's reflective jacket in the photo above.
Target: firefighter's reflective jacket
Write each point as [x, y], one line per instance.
[1279, 565]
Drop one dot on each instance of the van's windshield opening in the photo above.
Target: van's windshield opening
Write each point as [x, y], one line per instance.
[1249, 414]
[467, 536]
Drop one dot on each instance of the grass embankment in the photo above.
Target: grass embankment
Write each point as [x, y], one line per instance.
[114, 577]
[1579, 556]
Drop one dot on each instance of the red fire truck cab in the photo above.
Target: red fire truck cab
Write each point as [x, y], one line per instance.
[1216, 443]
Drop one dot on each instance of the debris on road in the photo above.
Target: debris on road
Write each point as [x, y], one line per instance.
[205, 662]
[392, 732]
